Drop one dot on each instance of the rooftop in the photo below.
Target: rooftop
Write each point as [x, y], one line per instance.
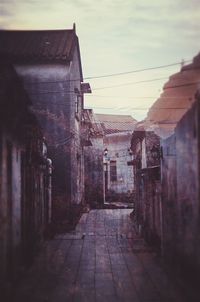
[116, 123]
[37, 45]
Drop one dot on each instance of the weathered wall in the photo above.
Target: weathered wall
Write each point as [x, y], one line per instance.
[180, 185]
[94, 186]
[24, 180]
[51, 90]
[48, 88]
[24, 205]
[77, 157]
[169, 198]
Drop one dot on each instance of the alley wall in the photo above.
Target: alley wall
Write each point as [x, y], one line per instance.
[180, 189]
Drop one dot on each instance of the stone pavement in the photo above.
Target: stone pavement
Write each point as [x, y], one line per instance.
[102, 260]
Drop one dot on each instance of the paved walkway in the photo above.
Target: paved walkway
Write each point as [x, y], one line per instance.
[102, 260]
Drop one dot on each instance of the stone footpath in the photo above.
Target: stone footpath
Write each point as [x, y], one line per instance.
[102, 260]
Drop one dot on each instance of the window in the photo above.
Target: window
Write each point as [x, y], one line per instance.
[76, 104]
[113, 170]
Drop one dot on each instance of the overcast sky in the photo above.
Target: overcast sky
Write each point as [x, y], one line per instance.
[118, 36]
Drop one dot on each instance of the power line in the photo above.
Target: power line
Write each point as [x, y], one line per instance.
[105, 87]
[119, 85]
[108, 75]
[134, 71]
[121, 97]
[138, 108]
[133, 97]
[131, 83]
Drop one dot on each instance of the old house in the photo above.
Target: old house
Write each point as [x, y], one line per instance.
[118, 176]
[49, 64]
[25, 178]
[93, 158]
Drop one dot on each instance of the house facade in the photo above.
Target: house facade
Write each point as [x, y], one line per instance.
[118, 176]
[48, 63]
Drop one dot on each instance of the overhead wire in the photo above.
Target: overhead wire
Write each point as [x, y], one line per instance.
[112, 74]
[130, 83]
[136, 70]
[63, 91]
[136, 108]
[119, 85]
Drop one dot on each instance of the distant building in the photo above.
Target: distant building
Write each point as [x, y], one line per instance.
[118, 176]
[49, 65]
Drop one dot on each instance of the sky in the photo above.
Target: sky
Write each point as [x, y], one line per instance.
[118, 37]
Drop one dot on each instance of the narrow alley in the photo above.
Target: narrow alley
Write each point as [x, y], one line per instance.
[102, 260]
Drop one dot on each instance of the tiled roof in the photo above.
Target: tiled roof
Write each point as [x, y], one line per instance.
[177, 97]
[116, 123]
[37, 45]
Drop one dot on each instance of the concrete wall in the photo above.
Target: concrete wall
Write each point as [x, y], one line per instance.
[180, 185]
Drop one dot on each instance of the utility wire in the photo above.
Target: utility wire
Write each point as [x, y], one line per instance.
[112, 74]
[135, 71]
[119, 85]
[121, 97]
[133, 97]
[136, 108]
[131, 83]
